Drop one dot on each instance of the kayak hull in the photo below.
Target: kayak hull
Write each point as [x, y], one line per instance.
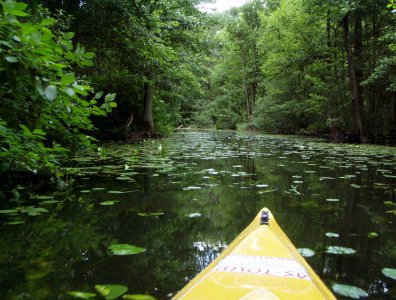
[261, 263]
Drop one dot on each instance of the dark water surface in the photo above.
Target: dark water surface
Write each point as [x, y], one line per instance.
[208, 187]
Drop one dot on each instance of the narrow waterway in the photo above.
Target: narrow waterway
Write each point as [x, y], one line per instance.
[185, 198]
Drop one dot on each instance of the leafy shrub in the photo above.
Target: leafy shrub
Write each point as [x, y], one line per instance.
[46, 107]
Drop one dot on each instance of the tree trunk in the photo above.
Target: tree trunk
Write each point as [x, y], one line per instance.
[372, 107]
[255, 80]
[328, 29]
[353, 82]
[245, 84]
[148, 108]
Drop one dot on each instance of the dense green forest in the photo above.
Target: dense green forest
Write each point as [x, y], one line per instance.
[75, 71]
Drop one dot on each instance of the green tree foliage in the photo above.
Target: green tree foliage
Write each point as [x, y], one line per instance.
[297, 89]
[234, 81]
[308, 66]
[149, 52]
[46, 107]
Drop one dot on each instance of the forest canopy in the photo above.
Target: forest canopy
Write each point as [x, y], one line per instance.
[75, 71]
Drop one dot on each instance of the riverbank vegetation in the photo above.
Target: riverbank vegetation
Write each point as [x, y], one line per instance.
[278, 66]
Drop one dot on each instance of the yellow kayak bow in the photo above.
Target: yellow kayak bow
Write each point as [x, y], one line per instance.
[261, 263]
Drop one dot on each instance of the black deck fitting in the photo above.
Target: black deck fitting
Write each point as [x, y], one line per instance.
[264, 219]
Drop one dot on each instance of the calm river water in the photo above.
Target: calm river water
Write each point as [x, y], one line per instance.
[185, 198]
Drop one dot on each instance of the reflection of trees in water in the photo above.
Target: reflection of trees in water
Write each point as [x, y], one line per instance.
[206, 252]
[72, 243]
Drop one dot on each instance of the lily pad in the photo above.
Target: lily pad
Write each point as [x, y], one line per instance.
[81, 295]
[261, 185]
[125, 249]
[306, 252]
[119, 192]
[111, 291]
[126, 178]
[42, 197]
[108, 203]
[138, 297]
[194, 215]
[50, 201]
[99, 189]
[190, 188]
[389, 272]
[326, 178]
[338, 250]
[150, 214]
[8, 211]
[34, 211]
[332, 200]
[267, 191]
[349, 291]
[332, 235]
[372, 234]
[16, 222]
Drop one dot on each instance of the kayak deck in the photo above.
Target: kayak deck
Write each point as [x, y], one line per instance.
[261, 263]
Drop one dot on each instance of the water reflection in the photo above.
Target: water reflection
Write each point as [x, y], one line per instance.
[185, 198]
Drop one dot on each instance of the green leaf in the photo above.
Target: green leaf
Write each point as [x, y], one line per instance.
[11, 59]
[338, 250]
[69, 91]
[26, 131]
[68, 35]
[98, 95]
[389, 272]
[138, 297]
[125, 249]
[102, 290]
[40, 87]
[81, 295]
[89, 55]
[39, 132]
[111, 291]
[48, 22]
[110, 97]
[349, 291]
[7, 44]
[306, 252]
[68, 78]
[20, 6]
[15, 8]
[51, 92]
[9, 6]
[113, 104]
